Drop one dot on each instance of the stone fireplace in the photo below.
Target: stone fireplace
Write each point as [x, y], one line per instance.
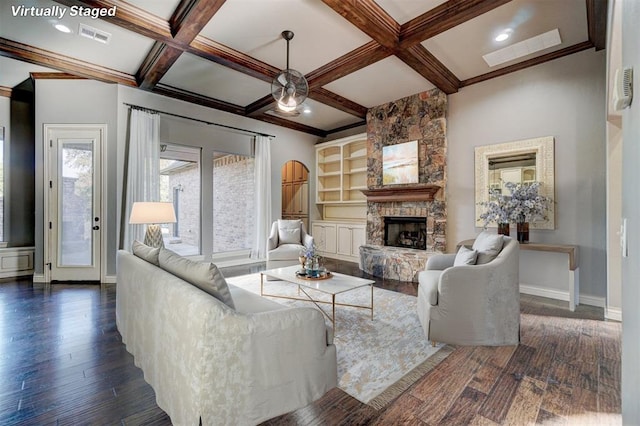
[419, 117]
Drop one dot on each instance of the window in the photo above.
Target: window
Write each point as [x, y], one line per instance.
[233, 202]
[180, 184]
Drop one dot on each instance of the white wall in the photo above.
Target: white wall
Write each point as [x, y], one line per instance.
[564, 98]
[5, 110]
[631, 210]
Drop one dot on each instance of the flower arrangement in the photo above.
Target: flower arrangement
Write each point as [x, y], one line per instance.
[528, 205]
[524, 204]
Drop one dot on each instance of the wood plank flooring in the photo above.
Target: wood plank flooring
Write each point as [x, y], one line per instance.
[62, 361]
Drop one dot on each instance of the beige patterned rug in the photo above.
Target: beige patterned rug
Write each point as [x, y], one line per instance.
[379, 359]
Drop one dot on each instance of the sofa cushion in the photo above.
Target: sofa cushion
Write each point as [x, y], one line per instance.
[465, 256]
[250, 303]
[488, 246]
[428, 285]
[289, 231]
[143, 251]
[206, 276]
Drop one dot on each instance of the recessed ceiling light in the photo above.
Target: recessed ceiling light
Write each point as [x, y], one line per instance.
[523, 48]
[306, 110]
[502, 37]
[62, 28]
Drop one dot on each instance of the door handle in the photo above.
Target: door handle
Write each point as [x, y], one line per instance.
[95, 228]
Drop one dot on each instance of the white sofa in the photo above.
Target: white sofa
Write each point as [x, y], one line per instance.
[211, 363]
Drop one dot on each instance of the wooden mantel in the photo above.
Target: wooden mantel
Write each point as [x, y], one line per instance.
[402, 193]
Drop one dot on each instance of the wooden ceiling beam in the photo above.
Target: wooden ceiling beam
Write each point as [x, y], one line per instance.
[46, 58]
[338, 102]
[597, 23]
[195, 98]
[370, 18]
[570, 50]
[238, 61]
[359, 58]
[442, 18]
[54, 76]
[268, 118]
[260, 106]
[189, 18]
[5, 91]
[423, 62]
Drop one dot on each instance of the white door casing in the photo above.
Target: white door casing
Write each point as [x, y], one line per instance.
[73, 246]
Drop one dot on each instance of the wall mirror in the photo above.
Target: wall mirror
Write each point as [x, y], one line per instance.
[519, 161]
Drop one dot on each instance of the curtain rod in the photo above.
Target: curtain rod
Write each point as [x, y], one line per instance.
[198, 120]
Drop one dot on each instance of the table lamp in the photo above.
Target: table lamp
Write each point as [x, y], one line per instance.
[151, 214]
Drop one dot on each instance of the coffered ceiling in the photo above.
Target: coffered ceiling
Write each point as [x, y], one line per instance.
[355, 54]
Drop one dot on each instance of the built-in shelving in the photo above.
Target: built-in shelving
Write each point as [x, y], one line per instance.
[341, 170]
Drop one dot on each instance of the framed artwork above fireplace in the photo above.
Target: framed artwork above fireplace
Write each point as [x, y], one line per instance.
[400, 163]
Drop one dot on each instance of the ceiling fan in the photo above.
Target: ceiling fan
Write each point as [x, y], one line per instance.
[289, 88]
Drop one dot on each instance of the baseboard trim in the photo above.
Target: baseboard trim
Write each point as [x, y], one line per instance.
[39, 278]
[561, 295]
[109, 279]
[614, 314]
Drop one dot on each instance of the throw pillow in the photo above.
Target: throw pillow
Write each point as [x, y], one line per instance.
[488, 246]
[206, 276]
[145, 252]
[289, 231]
[465, 256]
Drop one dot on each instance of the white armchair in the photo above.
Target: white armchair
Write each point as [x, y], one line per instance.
[472, 304]
[287, 239]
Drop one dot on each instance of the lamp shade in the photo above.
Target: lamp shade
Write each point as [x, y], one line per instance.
[152, 212]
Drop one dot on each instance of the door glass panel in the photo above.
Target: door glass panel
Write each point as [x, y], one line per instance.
[75, 196]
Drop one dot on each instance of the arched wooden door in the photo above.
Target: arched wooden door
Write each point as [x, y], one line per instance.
[295, 191]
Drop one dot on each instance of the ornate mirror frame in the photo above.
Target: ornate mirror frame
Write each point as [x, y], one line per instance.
[543, 148]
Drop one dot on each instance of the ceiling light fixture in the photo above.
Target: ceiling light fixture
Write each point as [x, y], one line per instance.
[502, 37]
[62, 28]
[289, 88]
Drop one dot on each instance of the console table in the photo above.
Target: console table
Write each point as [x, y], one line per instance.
[571, 250]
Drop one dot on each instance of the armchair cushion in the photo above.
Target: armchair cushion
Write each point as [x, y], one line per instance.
[289, 231]
[488, 246]
[465, 256]
[286, 252]
[207, 277]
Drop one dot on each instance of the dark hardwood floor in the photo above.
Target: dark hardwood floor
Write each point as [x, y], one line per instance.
[62, 361]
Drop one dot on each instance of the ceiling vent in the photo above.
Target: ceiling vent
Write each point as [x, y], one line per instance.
[94, 34]
[523, 48]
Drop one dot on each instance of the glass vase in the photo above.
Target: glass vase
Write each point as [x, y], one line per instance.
[503, 228]
[523, 232]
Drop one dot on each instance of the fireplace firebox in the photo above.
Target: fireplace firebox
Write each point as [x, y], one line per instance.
[407, 232]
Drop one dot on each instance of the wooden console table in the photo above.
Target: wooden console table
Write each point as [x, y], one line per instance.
[572, 251]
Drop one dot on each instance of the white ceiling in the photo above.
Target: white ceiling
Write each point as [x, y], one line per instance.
[253, 27]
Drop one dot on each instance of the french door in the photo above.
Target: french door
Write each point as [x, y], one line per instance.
[73, 220]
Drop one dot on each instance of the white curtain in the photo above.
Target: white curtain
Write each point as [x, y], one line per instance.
[263, 196]
[143, 164]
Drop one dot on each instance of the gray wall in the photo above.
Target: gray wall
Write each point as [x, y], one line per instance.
[5, 121]
[564, 98]
[20, 203]
[76, 102]
[91, 102]
[631, 210]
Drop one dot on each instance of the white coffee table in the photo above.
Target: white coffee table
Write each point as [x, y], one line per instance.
[337, 284]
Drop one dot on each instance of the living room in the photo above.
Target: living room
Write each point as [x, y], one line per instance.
[564, 98]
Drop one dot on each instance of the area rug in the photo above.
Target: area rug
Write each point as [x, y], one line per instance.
[379, 359]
